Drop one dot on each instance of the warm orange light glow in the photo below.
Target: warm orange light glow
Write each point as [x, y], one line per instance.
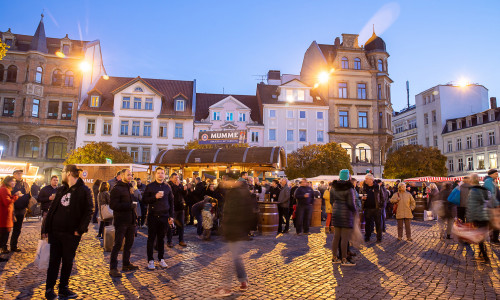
[463, 83]
[323, 77]
[332, 70]
[60, 54]
[316, 85]
[105, 77]
[84, 66]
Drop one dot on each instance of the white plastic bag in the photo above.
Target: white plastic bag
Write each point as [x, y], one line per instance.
[42, 255]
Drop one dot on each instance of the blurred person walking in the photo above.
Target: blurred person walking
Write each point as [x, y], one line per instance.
[491, 185]
[477, 211]
[464, 196]
[444, 209]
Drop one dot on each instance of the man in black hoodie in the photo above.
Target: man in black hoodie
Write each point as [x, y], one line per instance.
[67, 220]
[124, 218]
[179, 192]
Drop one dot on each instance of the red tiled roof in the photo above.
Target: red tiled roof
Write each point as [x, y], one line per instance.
[265, 94]
[204, 101]
[168, 89]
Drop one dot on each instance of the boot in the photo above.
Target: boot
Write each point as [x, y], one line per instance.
[327, 230]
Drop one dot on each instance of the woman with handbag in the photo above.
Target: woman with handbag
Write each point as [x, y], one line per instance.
[404, 204]
[105, 213]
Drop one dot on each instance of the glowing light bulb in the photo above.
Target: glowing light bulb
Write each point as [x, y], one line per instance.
[463, 83]
[105, 77]
[60, 54]
[323, 77]
[84, 66]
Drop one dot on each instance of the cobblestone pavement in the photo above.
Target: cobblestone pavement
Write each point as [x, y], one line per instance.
[279, 267]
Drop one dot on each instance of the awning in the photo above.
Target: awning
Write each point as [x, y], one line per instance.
[273, 157]
[437, 179]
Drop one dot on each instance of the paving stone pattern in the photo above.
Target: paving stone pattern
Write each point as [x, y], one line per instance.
[279, 267]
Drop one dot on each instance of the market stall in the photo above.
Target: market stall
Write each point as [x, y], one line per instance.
[30, 172]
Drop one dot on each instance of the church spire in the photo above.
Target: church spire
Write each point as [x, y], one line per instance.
[39, 41]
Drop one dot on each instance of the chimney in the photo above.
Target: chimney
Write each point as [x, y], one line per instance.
[274, 77]
[493, 102]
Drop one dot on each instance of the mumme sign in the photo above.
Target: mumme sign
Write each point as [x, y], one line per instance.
[222, 137]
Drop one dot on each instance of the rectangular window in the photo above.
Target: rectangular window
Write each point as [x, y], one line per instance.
[361, 91]
[255, 137]
[450, 165]
[302, 135]
[136, 126]
[124, 128]
[492, 158]
[289, 95]
[342, 90]
[126, 102]
[272, 113]
[413, 141]
[147, 129]
[480, 162]
[460, 164]
[301, 95]
[319, 115]
[146, 155]
[216, 116]
[427, 143]
[36, 108]
[179, 105]
[90, 126]
[412, 124]
[179, 131]
[137, 103]
[289, 114]
[491, 138]
[148, 105]
[53, 110]
[468, 142]
[106, 128]
[379, 91]
[242, 117]
[302, 114]
[459, 144]
[434, 116]
[163, 130]
[8, 107]
[343, 119]
[319, 136]
[470, 163]
[289, 135]
[479, 140]
[134, 152]
[66, 110]
[380, 120]
[94, 101]
[362, 119]
[272, 134]
[229, 116]
[450, 146]
[123, 149]
[426, 119]
[435, 141]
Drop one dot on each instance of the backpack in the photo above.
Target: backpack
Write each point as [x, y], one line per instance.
[454, 196]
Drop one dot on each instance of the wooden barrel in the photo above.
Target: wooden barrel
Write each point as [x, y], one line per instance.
[316, 213]
[418, 213]
[268, 217]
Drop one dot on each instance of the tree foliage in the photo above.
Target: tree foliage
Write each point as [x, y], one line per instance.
[194, 144]
[314, 160]
[415, 161]
[96, 153]
[3, 50]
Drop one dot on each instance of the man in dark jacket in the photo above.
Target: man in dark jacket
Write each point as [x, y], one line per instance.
[284, 204]
[20, 207]
[305, 197]
[112, 182]
[274, 192]
[199, 189]
[179, 192]
[373, 203]
[67, 220]
[464, 196]
[124, 218]
[47, 195]
[158, 195]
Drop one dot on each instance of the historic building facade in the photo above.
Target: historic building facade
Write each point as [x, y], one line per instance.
[216, 112]
[404, 127]
[138, 115]
[356, 82]
[40, 82]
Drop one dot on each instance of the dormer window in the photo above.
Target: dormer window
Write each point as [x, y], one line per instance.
[480, 119]
[179, 105]
[9, 42]
[459, 124]
[289, 95]
[94, 101]
[468, 122]
[138, 89]
[492, 116]
[229, 117]
[242, 117]
[450, 126]
[65, 49]
[301, 95]
[216, 116]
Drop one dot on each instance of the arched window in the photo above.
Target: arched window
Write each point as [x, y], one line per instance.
[2, 70]
[357, 63]
[57, 147]
[28, 146]
[68, 78]
[12, 73]
[347, 148]
[363, 153]
[380, 65]
[38, 75]
[4, 145]
[57, 77]
[345, 63]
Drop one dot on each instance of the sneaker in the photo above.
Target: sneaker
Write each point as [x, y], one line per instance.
[66, 293]
[222, 292]
[336, 260]
[163, 264]
[129, 267]
[115, 273]
[151, 265]
[244, 286]
[50, 295]
[182, 244]
[347, 263]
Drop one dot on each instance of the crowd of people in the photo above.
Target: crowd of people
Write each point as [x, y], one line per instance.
[168, 204]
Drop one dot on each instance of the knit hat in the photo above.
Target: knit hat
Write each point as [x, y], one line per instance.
[344, 174]
[492, 171]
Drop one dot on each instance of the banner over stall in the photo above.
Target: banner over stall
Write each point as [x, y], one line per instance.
[223, 137]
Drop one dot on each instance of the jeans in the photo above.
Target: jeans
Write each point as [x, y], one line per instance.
[283, 215]
[157, 227]
[4, 237]
[235, 249]
[373, 216]
[303, 217]
[62, 248]
[16, 231]
[406, 222]
[126, 232]
[191, 216]
[179, 224]
[199, 225]
[343, 235]
[144, 212]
